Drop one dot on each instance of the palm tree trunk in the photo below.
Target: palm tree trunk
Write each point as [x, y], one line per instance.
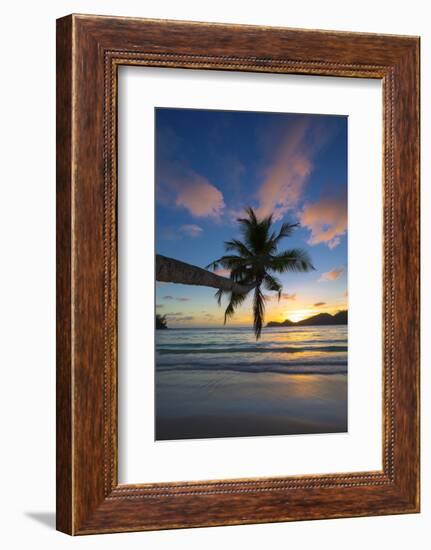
[169, 270]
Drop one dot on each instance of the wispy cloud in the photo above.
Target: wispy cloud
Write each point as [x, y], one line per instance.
[178, 299]
[317, 304]
[169, 233]
[332, 275]
[326, 219]
[191, 230]
[284, 296]
[179, 317]
[158, 306]
[175, 233]
[288, 173]
[287, 296]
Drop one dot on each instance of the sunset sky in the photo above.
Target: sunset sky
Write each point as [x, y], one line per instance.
[210, 165]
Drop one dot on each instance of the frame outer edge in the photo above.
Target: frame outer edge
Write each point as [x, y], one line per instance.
[81, 506]
[64, 368]
[407, 273]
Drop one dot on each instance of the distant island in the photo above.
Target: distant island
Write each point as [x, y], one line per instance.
[339, 318]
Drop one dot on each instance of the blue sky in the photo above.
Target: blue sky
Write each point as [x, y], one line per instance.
[210, 165]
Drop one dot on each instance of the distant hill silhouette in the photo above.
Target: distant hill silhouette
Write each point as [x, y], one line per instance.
[321, 319]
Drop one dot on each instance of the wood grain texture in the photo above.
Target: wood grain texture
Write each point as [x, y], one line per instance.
[90, 49]
[64, 495]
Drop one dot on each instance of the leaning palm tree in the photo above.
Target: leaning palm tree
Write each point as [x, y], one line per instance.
[170, 270]
[253, 259]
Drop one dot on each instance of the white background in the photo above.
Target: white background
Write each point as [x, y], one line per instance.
[27, 125]
[141, 458]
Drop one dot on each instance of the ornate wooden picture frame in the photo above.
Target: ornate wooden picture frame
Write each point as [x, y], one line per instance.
[89, 51]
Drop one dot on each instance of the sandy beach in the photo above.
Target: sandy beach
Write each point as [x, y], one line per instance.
[282, 404]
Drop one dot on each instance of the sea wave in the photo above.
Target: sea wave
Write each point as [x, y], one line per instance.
[192, 342]
[293, 367]
[250, 349]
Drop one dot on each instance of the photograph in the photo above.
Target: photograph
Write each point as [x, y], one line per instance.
[251, 282]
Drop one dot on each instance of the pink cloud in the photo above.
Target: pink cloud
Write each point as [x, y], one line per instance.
[326, 219]
[286, 177]
[191, 230]
[200, 197]
[178, 185]
[332, 275]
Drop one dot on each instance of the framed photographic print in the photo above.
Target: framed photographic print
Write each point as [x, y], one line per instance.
[221, 373]
[237, 274]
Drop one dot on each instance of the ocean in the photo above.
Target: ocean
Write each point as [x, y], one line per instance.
[220, 382]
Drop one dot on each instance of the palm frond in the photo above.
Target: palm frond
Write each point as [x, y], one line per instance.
[258, 311]
[248, 230]
[242, 275]
[272, 283]
[286, 230]
[251, 217]
[296, 260]
[218, 296]
[266, 224]
[236, 245]
[228, 262]
[234, 302]
[213, 265]
[255, 232]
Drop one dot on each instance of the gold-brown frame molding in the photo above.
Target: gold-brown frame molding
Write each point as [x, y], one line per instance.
[89, 51]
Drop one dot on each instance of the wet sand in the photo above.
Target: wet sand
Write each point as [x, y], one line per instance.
[198, 404]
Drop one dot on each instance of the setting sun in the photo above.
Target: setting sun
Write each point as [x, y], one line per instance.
[300, 314]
